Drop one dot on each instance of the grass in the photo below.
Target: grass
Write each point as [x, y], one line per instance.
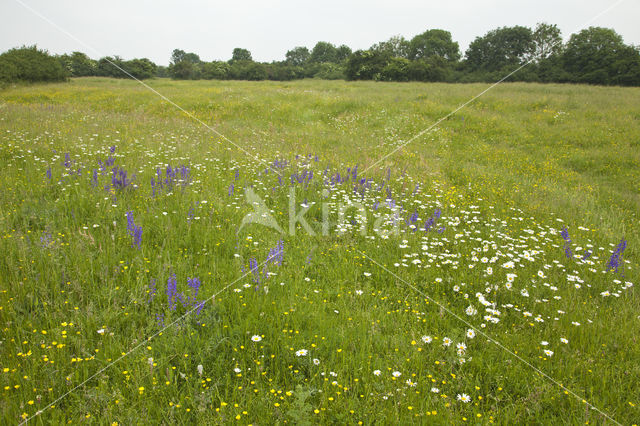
[507, 173]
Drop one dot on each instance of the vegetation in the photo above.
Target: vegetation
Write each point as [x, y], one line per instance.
[594, 56]
[121, 216]
[29, 64]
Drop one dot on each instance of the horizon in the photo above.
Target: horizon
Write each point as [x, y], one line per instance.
[358, 27]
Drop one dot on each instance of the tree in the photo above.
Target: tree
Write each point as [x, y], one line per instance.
[342, 53]
[598, 55]
[547, 41]
[30, 64]
[298, 56]
[177, 56]
[395, 70]
[247, 70]
[216, 70]
[434, 43]
[324, 52]
[240, 54]
[182, 70]
[140, 68]
[78, 64]
[500, 48]
[397, 47]
[366, 65]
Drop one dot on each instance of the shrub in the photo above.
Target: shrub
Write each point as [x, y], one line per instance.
[30, 64]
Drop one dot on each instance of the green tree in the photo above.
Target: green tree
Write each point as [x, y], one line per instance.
[396, 69]
[248, 70]
[140, 68]
[500, 48]
[216, 70]
[30, 64]
[240, 54]
[598, 55]
[342, 53]
[78, 64]
[366, 65]
[547, 41]
[324, 52]
[396, 46]
[298, 56]
[434, 43]
[184, 66]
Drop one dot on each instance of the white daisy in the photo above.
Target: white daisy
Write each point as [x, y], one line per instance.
[463, 398]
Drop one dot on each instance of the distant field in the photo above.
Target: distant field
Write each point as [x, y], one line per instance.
[123, 218]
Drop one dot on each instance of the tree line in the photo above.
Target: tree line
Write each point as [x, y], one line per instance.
[595, 55]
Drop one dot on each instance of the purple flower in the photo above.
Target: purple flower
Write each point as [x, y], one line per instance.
[133, 230]
[130, 224]
[137, 236]
[172, 289]
[152, 290]
[567, 242]
[49, 173]
[194, 283]
[616, 257]
[160, 320]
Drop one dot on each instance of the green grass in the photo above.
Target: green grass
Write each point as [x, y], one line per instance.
[504, 171]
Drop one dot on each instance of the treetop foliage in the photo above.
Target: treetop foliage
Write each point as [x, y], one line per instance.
[594, 55]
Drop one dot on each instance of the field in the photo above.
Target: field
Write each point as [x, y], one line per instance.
[485, 273]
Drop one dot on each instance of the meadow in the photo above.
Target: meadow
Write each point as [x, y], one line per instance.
[485, 273]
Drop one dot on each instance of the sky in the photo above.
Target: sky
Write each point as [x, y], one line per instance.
[212, 29]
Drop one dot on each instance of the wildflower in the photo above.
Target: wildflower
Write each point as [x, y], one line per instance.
[301, 352]
[471, 310]
[435, 390]
[172, 287]
[377, 372]
[564, 340]
[547, 352]
[463, 398]
[396, 374]
[616, 256]
[316, 361]
[256, 338]
[427, 339]
[200, 369]
[471, 333]
[446, 341]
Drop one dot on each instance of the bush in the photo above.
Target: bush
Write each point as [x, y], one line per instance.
[31, 65]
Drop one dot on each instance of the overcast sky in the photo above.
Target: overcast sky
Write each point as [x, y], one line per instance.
[153, 28]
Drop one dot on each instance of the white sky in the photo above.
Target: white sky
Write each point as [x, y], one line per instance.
[152, 29]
